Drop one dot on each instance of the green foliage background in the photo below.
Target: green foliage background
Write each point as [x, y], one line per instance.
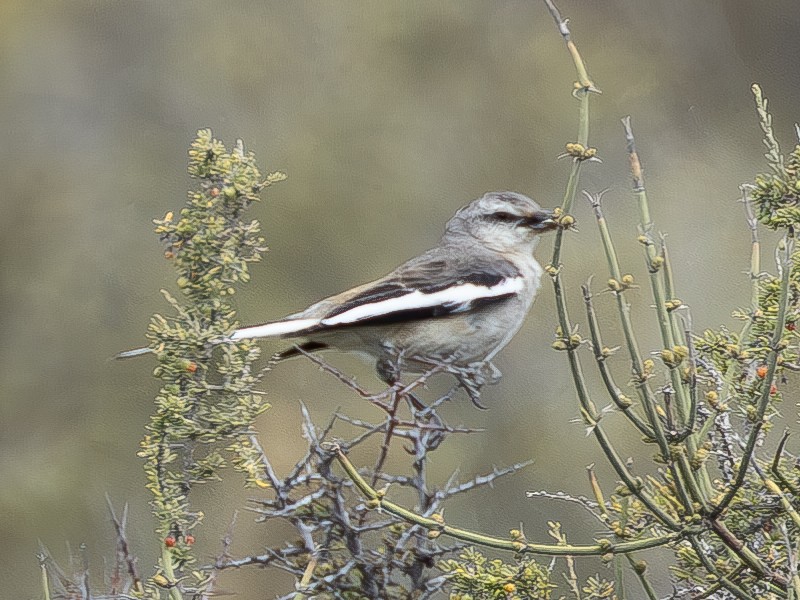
[387, 117]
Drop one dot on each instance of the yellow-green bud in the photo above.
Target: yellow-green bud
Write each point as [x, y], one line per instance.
[648, 365]
[700, 457]
[657, 263]
[681, 351]
[622, 490]
[668, 357]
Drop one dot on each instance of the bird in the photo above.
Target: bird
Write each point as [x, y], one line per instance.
[458, 304]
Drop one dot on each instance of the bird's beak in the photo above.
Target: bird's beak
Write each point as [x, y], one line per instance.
[544, 224]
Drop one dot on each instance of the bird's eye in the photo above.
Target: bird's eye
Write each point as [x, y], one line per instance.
[504, 217]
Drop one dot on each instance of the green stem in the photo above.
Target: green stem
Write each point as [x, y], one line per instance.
[776, 467]
[582, 93]
[613, 390]
[646, 397]
[592, 419]
[45, 581]
[773, 487]
[745, 554]
[569, 197]
[755, 274]
[712, 569]
[678, 333]
[685, 470]
[657, 286]
[589, 410]
[619, 578]
[690, 425]
[645, 394]
[763, 400]
[169, 573]
[640, 574]
[438, 526]
[583, 76]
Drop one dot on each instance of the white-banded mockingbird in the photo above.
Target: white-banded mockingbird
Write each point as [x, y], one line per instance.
[457, 304]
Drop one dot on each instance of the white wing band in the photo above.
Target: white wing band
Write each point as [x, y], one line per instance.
[457, 297]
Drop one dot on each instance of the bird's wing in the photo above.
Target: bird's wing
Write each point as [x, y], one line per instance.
[438, 283]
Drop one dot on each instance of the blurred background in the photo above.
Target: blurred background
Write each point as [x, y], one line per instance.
[387, 116]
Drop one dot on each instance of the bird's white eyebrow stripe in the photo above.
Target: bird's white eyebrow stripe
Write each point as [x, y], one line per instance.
[455, 295]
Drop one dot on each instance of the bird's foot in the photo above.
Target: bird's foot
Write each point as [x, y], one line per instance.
[474, 376]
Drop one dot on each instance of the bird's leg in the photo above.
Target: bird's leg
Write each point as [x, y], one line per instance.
[474, 376]
[474, 392]
[389, 372]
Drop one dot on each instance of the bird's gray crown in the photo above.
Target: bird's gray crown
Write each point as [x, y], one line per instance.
[502, 221]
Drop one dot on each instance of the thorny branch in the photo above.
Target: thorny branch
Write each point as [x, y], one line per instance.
[325, 508]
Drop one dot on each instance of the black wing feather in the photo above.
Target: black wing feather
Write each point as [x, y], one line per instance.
[434, 271]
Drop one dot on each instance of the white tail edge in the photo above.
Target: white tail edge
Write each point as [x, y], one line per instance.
[132, 353]
[276, 329]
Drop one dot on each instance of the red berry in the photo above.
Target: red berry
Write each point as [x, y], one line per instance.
[791, 326]
[773, 389]
[761, 371]
[189, 539]
[191, 367]
[169, 541]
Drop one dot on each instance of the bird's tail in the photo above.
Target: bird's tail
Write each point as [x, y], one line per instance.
[284, 328]
[132, 353]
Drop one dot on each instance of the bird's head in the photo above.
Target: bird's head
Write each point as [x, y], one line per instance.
[502, 221]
